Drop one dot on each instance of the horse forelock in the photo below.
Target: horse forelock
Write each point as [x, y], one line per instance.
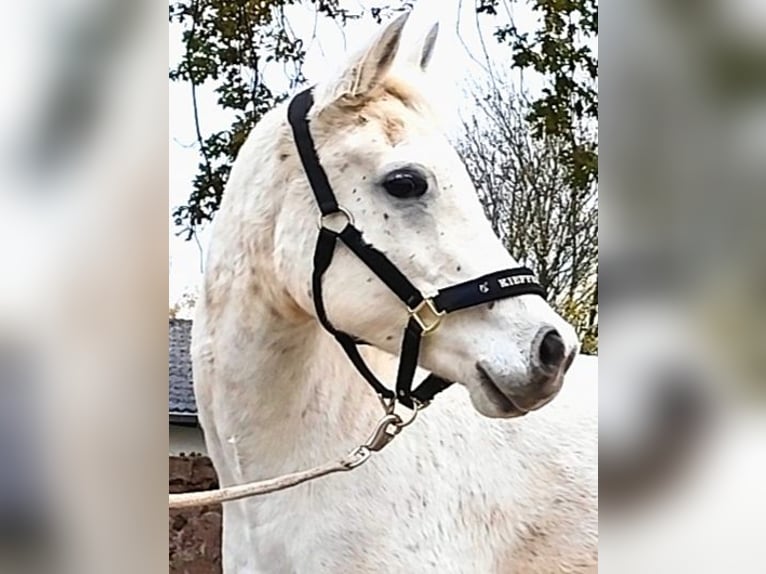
[389, 104]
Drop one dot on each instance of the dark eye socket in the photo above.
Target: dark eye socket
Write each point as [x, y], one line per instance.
[405, 183]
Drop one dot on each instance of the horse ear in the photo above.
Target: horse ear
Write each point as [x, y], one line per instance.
[368, 70]
[419, 56]
[428, 47]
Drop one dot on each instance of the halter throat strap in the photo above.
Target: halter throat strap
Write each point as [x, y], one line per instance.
[425, 313]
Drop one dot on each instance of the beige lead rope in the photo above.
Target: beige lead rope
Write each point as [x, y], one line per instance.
[187, 499]
[386, 429]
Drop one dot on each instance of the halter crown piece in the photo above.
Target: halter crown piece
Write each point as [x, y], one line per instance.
[425, 313]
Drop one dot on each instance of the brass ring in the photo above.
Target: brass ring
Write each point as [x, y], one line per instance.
[417, 406]
[349, 219]
[388, 404]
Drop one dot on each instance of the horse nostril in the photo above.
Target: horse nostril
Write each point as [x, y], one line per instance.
[552, 350]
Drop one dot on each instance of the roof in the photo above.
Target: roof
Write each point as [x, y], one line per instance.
[181, 405]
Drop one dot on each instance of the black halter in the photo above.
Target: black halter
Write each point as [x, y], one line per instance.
[425, 313]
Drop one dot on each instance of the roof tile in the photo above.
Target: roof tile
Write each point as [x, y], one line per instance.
[181, 389]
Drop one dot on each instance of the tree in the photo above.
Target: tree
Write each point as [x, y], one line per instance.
[184, 307]
[534, 162]
[523, 183]
[229, 45]
[561, 49]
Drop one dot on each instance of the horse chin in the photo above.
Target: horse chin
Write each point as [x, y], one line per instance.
[490, 402]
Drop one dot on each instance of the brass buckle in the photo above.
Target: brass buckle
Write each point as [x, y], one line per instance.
[428, 323]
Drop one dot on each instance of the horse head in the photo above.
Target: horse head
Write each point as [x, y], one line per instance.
[394, 171]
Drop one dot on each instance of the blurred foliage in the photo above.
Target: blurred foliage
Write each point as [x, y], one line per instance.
[560, 49]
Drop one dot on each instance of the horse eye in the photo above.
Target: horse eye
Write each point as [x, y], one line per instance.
[405, 183]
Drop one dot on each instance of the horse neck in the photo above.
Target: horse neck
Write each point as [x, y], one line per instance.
[313, 403]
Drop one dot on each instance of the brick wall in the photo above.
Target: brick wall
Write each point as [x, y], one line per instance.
[195, 533]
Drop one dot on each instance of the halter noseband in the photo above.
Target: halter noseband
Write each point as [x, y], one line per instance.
[425, 312]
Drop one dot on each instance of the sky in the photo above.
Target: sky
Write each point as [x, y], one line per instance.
[457, 58]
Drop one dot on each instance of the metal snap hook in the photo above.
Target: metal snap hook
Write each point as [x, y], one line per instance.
[388, 427]
[357, 457]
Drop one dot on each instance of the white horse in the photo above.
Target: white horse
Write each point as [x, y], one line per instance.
[459, 491]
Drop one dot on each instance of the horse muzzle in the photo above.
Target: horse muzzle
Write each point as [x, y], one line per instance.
[513, 394]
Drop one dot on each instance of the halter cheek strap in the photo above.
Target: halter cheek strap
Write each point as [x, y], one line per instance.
[425, 313]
